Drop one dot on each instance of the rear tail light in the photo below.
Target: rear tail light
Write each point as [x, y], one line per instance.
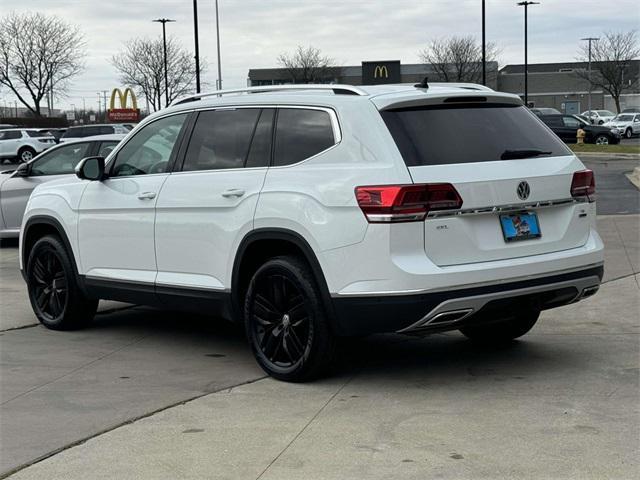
[583, 185]
[406, 203]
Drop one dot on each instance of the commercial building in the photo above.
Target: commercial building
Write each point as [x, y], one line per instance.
[556, 85]
[559, 85]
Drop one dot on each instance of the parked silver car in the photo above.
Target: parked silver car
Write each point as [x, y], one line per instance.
[58, 161]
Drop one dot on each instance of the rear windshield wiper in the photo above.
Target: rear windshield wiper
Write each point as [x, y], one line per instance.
[515, 154]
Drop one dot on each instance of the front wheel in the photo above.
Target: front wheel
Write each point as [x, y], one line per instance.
[54, 294]
[628, 133]
[503, 329]
[286, 323]
[602, 140]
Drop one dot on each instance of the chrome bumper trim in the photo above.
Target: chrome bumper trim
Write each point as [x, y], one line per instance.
[505, 208]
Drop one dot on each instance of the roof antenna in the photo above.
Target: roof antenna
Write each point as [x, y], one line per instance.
[423, 84]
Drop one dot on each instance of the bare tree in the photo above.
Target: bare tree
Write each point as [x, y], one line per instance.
[38, 55]
[610, 62]
[458, 59]
[308, 65]
[141, 66]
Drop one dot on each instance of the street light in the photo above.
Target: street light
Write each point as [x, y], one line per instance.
[164, 21]
[195, 34]
[526, 64]
[484, 49]
[218, 42]
[589, 39]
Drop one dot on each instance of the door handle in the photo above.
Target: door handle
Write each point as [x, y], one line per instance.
[147, 195]
[233, 192]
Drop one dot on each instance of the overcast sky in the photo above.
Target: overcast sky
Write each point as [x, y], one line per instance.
[254, 32]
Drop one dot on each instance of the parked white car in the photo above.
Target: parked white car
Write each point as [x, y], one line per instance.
[56, 163]
[22, 144]
[308, 212]
[628, 124]
[598, 117]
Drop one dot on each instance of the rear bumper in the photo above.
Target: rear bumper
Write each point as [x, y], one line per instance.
[448, 310]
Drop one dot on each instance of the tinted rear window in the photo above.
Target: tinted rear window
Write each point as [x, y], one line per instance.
[437, 135]
[74, 132]
[300, 134]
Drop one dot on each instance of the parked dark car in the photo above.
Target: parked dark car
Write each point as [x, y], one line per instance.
[566, 127]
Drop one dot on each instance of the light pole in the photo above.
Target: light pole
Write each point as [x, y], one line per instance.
[484, 49]
[164, 21]
[526, 63]
[589, 39]
[218, 41]
[195, 34]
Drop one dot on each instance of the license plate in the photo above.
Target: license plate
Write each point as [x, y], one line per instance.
[520, 226]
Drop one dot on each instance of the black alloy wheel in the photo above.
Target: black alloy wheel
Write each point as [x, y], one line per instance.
[285, 321]
[49, 284]
[55, 296]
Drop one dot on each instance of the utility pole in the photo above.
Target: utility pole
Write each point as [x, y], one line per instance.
[99, 108]
[164, 21]
[218, 41]
[589, 39]
[484, 49]
[526, 61]
[104, 96]
[195, 34]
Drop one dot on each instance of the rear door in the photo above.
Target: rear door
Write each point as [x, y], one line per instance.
[500, 147]
[207, 207]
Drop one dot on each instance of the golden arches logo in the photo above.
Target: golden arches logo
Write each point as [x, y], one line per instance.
[381, 71]
[123, 99]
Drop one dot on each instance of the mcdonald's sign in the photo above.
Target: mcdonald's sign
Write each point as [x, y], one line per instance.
[124, 113]
[387, 71]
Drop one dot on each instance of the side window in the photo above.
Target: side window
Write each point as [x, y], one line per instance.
[10, 135]
[149, 150]
[221, 139]
[60, 161]
[260, 151]
[300, 134]
[571, 122]
[106, 130]
[106, 148]
[553, 121]
[637, 118]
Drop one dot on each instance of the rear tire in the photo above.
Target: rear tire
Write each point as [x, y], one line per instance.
[503, 330]
[286, 323]
[26, 154]
[53, 289]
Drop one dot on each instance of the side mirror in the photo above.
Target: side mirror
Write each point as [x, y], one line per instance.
[23, 170]
[90, 168]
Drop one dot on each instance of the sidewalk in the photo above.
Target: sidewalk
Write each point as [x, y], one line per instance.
[561, 403]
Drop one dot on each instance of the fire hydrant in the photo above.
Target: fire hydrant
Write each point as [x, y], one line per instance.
[580, 135]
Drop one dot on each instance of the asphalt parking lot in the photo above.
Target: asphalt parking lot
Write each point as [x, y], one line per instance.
[145, 393]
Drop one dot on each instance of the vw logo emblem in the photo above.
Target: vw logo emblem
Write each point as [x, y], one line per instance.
[523, 190]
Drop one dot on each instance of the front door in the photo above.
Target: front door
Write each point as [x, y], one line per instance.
[205, 209]
[117, 214]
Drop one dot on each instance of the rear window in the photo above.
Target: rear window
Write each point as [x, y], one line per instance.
[74, 132]
[301, 134]
[438, 135]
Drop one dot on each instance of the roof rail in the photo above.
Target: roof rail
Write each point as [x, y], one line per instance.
[336, 88]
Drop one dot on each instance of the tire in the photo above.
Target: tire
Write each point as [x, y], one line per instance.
[502, 331]
[60, 305]
[286, 322]
[601, 122]
[628, 133]
[26, 154]
[601, 140]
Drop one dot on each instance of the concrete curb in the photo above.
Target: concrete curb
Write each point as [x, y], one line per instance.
[634, 177]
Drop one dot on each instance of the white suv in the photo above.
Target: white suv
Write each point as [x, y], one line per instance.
[311, 212]
[23, 144]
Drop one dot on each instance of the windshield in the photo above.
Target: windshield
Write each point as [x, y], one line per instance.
[624, 118]
[432, 135]
[604, 113]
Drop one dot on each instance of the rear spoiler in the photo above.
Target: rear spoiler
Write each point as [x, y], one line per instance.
[419, 99]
